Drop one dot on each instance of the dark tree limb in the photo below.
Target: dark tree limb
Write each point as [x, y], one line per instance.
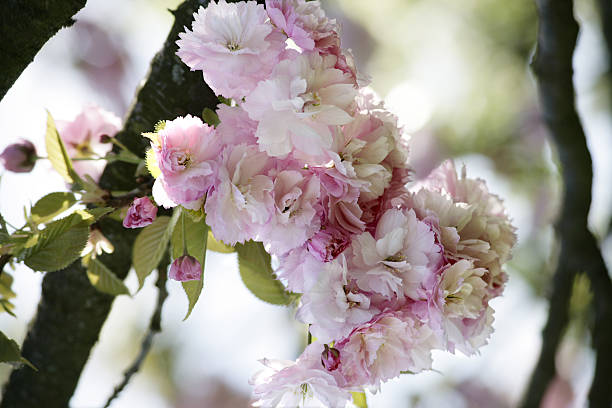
[552, 64]
[154, 328]
[25, 26]
[71, 312]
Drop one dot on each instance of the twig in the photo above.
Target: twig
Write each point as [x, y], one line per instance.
[154, 328]
[552, 65]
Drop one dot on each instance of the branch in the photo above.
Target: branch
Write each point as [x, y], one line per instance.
[552, 65]
[154, 328]
[25, 26]
[71, 312]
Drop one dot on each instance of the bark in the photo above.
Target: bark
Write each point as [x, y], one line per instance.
[71, 312]
[25, 26]
[552, 64]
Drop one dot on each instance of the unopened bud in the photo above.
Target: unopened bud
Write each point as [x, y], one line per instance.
[105, 139]
[19, 157]
[330, 358]
[185, 268]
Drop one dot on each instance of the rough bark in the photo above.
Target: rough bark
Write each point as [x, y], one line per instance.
[552, 64]
[25, 26]
[71, 312]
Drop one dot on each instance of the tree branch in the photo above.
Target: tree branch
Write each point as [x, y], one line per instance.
[552, 65]
[25, 26]
[154, 328]
[71, 312]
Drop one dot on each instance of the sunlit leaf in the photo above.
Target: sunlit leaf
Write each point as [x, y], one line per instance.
[151, 162]
[51, 205]
[359, 399]
[257, 274]
[10, 352]
[59, 244]
[151, 244]
[6, 293]
[104, 279]
[56, 151]
[218, 246]
[194, 234]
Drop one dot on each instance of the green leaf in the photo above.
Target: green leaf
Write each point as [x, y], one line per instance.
[210, 117]
[10, 353]
[58, 245]
[104, 279]
[218, 246]
[6, 293]
[94, 214]
[56, 152]
[123, 156]
[50, 206]
[359, 399]
[257, 274]
[151, 244]
[193, 233]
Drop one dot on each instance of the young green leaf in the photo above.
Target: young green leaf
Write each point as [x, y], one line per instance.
[257, 274]
[218, 246]
[56, 151]
[194, 234]
[104, 279]
[151, 244]
[58, 245]
[50, 206]
[10, 353]
[210, 117]
[6, 293]
[359, 399]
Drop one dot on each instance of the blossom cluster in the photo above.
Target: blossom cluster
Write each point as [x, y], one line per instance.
[308, 161]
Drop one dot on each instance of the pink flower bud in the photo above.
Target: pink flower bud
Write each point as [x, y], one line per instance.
[141, 213]
[328, 243]
[330, 358]
[185, 268]
[19, 157]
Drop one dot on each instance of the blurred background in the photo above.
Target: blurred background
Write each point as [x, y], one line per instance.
[457, 75]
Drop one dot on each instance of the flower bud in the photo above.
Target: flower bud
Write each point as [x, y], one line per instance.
[185, 268]
[19, 157]
[105, 139]
[141, 213]
[330, 358]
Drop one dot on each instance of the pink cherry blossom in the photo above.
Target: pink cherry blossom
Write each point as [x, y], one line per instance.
[141, 213]
[304, 383]
[233, 44]
[81, 136]
[383, 348]
[296, 195]
[334, 306]
[241, 202]
[296, 106]
[185, 150]
[185, 268]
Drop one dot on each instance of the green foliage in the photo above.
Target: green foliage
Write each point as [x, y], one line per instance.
[193, 234]
[104, 279]
[4, 235]
[218, 246]
[210, 117]
[50, 206]
[59, 244]
[257, 274]
[359, 399]
[151, 244]
[56, 152]
[6, 293]
[10, 353]
[123, 156]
